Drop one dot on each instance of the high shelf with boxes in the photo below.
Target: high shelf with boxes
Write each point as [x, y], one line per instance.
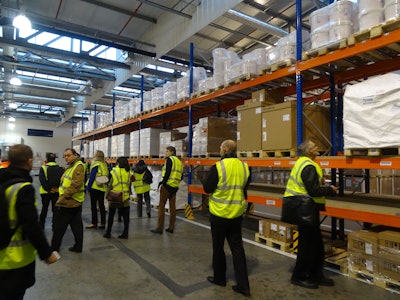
[362, 59]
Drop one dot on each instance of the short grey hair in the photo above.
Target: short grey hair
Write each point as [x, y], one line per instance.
[305, 147]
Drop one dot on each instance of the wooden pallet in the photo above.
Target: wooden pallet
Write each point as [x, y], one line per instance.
[206, 155]
[282, 64]
[257, 153]
[372, 151]
[361, 275]
[286, 247]
[343, 43]
[279, 153]
[338, 260]
[388, 284]
[245, 77]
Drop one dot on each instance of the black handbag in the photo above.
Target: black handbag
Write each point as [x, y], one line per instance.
[116, 197]
[300, 210]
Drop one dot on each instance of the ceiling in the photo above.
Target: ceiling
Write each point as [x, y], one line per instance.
[64, 86]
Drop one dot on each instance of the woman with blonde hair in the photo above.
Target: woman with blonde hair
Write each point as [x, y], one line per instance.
[120, 182]
[97, 188]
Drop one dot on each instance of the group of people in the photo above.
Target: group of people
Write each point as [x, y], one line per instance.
[226, 184]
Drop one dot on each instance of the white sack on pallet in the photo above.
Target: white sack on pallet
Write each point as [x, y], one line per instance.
[371, 113]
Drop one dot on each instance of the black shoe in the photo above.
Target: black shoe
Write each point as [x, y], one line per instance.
[325, 281]
[211, 279]
[239, 290]
[123, 236]
[74, 249]
[169, 230]
[308, 283]
[102, 227]
[148, 215]
[159, 231]
[107, 235]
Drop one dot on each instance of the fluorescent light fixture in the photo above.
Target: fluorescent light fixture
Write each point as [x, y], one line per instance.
[16, 81]
[13, 105]
[11, 119]
[21, 22]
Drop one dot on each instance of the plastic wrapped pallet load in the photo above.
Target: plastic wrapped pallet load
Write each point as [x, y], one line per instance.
[371, 113]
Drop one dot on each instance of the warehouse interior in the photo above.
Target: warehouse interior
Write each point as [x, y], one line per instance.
[132, 77]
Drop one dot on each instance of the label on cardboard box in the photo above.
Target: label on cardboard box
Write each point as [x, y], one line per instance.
[264, 123]
[258, 110]
[286, 117]
[238, 135]
[264, 136]
[239, 116]
[368, 248]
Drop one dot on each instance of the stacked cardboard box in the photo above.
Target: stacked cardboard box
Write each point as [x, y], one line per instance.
[250, 117]
[277, 230]
[134, 143]
[120, 145]
[210, 132]
[174, 138]
[279, 126]
[150, 141]
[375, 255]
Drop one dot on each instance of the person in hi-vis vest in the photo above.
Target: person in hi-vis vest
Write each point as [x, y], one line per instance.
[172, 174]
[142, 180]
[17, 260]
[306, 178]
[68, 209]
[227, 184]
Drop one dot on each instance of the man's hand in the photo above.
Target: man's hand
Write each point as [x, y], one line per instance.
[54, 257]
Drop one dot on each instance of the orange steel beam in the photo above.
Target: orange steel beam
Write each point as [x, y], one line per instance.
[358, 48]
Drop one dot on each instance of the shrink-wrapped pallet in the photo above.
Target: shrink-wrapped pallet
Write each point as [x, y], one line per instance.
[371, 113]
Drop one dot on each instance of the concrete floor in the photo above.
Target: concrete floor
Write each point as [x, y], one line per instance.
[173, 266]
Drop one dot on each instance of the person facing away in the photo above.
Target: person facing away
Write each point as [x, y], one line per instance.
[120, 181]
[49, 177]
[98, 168]
[227, 183]
[172, 174]
[142, 180]
[68, 210]
[306, 178]
[17, 260]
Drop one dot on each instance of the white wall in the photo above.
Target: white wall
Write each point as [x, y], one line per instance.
[61, 139]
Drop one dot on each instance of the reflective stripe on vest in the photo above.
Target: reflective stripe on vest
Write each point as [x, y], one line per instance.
[45, 167]
[66, 181]
[102, 170]
[227, 201]
[20, 252]
[295, 184]
[140, 186]
[121, 181]
[175, 176]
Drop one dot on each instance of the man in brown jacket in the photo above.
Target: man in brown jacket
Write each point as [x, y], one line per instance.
[69, 205]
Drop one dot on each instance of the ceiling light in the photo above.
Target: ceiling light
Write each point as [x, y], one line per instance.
[16, 81]
[13, 105]
[11, 119]
[21, 22]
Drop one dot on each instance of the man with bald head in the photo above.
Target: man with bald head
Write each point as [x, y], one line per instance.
[227, 185]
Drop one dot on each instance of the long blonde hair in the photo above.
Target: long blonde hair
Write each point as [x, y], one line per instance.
[99, 155]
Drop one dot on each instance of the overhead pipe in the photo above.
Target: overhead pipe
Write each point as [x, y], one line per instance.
[253, 22]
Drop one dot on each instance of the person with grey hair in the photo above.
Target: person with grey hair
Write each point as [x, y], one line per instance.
[172, 174]
[306, 178]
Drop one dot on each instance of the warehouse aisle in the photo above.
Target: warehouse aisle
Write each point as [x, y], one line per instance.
[172, 266]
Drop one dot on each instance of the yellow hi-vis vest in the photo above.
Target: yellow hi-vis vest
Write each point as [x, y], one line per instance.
[176, 172]
[20, 252]
[295, 185]
[102, 170]
[140, 186]
[50, 164]
[66, 181]
[227, 201]
[120, 181]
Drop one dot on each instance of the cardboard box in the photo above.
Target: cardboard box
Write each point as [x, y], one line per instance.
[374, 185]
[386, 185]
[263, 227]
[363, 262]
[389, 268]
[354, 184]
[363, 241]
[267, 96]
[389, 245]
[249, 127]
[281, 231]
[279, 126]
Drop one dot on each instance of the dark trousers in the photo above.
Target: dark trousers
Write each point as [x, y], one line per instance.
[46, 200]
[164, 196]
[97, 197]
[231, 229]
[124, 213]
[310, 256]
[18, 295]
[146, 197]
[64, 217]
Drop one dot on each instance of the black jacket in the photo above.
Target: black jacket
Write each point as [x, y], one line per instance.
[22, 278]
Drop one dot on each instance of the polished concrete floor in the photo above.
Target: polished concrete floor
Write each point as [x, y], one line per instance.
[173, 266]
